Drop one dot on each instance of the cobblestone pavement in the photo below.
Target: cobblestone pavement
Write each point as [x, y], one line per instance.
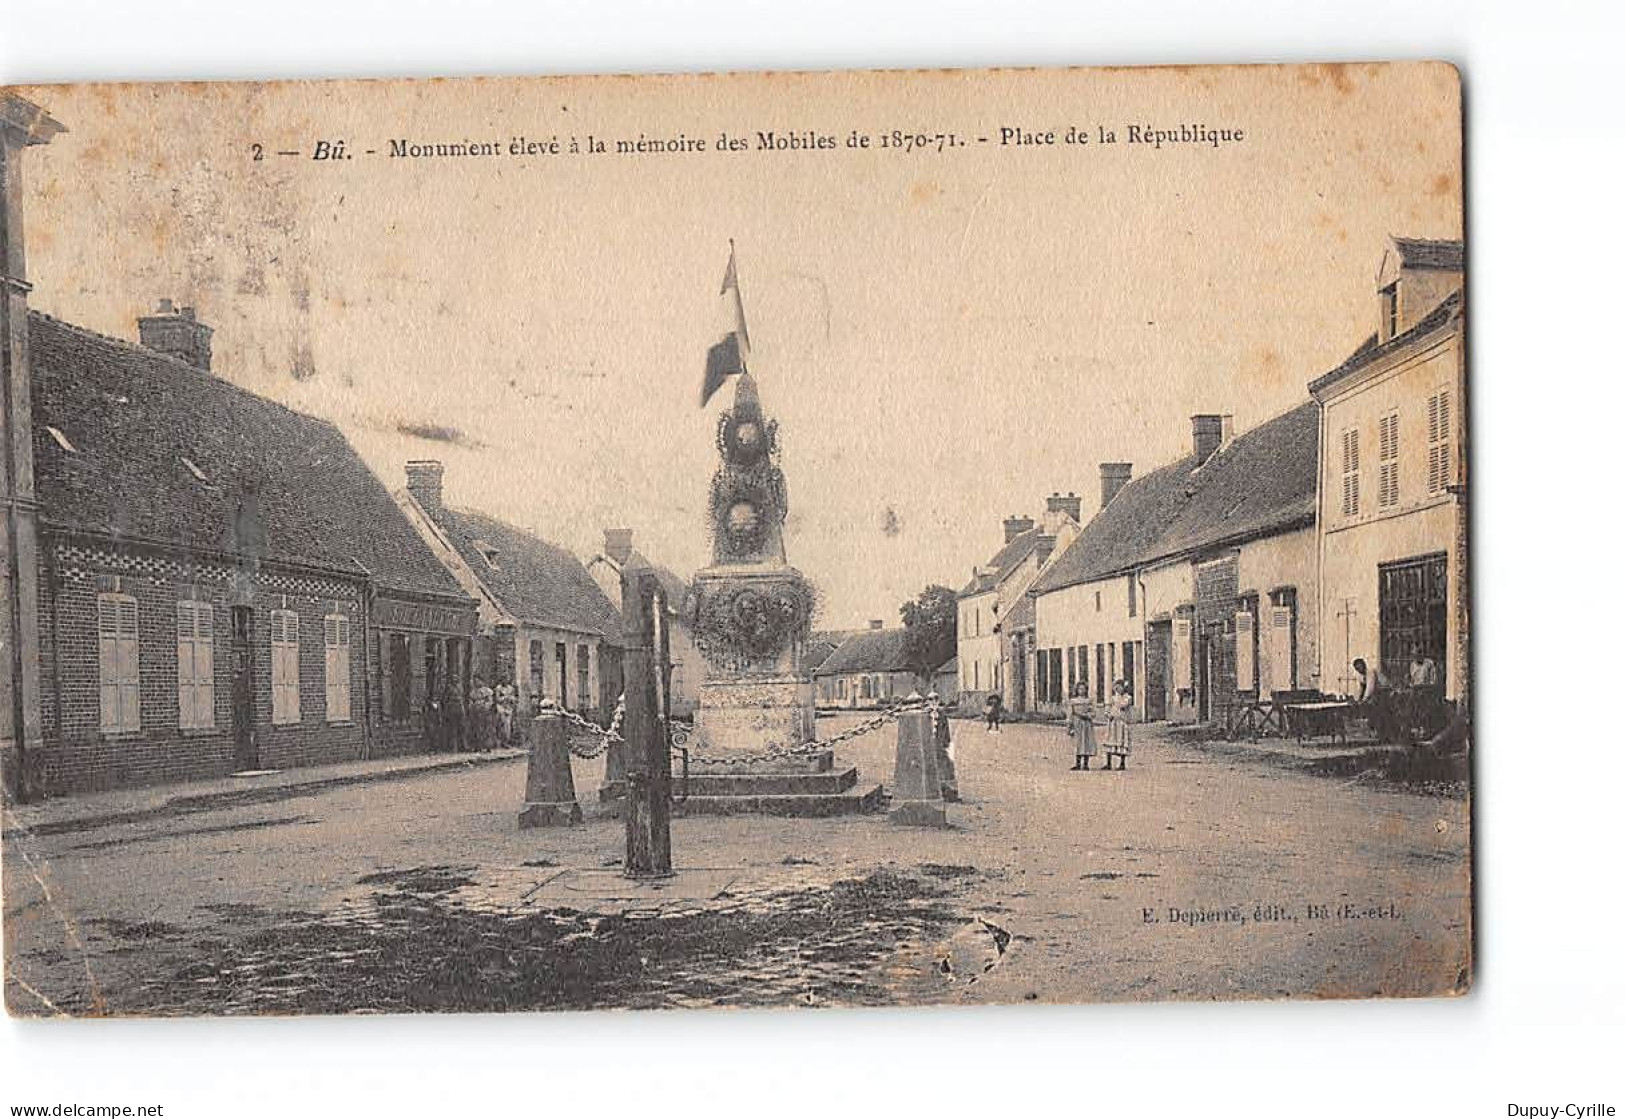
[1191, 875]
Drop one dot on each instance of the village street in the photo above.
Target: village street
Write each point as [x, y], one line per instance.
[1051, 885]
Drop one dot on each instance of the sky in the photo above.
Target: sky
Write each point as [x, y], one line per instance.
[945, 337]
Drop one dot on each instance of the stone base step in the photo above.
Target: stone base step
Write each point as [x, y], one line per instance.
[851, 802]
[726, 784]
[820, 762]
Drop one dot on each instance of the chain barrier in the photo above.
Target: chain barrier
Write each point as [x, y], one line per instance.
[818, 746]
[604, 737]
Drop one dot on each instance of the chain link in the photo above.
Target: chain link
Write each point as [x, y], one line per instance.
[605, 736]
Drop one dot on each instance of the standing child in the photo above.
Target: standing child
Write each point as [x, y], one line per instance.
[995, 707]
[1119, 736]
[1080, 724]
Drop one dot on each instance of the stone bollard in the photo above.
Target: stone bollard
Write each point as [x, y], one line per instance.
[945, 755]
[917, 786]
[550, 787]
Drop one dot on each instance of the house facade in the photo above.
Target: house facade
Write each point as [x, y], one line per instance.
[1192, 585]
[545, 626]
[992, 655]
[867, 670]
[1393, 514]
[687, 668]
[223, 585]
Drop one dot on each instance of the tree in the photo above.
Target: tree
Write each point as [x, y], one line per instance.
[930, 630]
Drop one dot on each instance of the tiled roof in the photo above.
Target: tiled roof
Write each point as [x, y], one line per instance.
[532, 580]
[820, 644]
[1006, 560]
[164, 453]
[1448, 310]
[1263, 481]
[867, 650]
[1417, 253]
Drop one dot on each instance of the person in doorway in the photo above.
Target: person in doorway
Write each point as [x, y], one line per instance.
[995, 713]
[1080, 724]
[506, 701]
[1376, 701]
[1119, 734]
[1422, 702]
[482, 716]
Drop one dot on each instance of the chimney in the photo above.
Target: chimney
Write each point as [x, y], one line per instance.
[1113, 477]
[876, 623]
[425, 481]
[1015, 526]
[1056, 508]
[1207, 433]
[177, 333]
[618, 544]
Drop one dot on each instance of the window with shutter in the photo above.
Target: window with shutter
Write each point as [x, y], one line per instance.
[336, 645]
[1246, 651]
[1388, 467]
[194, 654]
[284, 666]
[1440, 442]
[1351, 473]
[1182, 653]
[1281, 668]
[119, 661]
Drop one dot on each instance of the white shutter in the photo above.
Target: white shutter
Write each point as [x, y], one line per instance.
[1441, 438]
[1280, 648]
[1388, 454]
[203, 665]
[107, 642]
[119, 662]
[1182, 653]
[185, 668]
[336, 648]
[1351, 472]
[1245, 666]
[284, 666]
[194, 663]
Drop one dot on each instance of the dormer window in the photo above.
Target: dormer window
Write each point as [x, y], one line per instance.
[487, 553]
[1390, 310]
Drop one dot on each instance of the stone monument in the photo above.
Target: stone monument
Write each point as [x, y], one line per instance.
[750, 611]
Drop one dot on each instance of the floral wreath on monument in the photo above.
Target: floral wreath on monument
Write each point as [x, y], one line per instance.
[747, 503]
[757, 620]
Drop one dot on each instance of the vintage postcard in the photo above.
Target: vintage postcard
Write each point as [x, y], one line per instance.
[765, 540]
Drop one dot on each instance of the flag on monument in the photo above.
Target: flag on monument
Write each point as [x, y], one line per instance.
[732, 354]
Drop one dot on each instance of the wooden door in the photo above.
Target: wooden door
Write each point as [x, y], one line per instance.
[1157, 652]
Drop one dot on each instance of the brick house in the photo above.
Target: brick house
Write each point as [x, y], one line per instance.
[1194, 583]
[545, 625]
[223, 585]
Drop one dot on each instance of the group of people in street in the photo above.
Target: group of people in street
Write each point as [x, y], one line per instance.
[1082, 716]
[486, 722]
[1400, 713]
